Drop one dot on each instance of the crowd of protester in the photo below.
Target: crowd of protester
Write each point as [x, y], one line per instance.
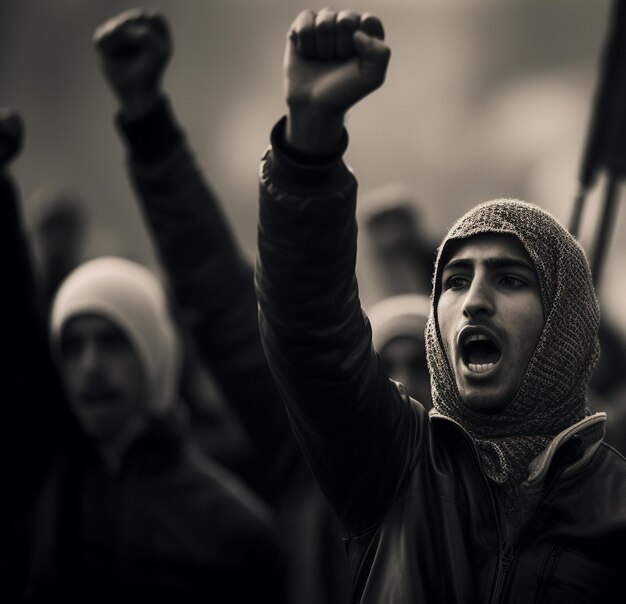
[206, 434]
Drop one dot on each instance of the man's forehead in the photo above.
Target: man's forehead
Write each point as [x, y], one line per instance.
[486, 246]
[90, 323]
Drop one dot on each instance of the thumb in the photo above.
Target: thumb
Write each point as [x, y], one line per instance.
[374, 57]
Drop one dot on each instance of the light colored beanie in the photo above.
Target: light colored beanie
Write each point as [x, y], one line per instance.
[402, 315]
[552, 395]
[130, 296]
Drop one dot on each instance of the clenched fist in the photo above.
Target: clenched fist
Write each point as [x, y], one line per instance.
[332, 60]
[134, 49]
[11, 135]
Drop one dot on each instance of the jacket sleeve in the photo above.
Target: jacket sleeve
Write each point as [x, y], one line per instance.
[212, 282]
[33, 409]
[357, 430]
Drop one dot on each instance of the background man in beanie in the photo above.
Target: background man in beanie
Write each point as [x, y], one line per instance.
[398, 325]
[506, 491]
[124, 509]
[131, 509]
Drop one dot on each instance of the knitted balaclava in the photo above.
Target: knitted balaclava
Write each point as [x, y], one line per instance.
[130, 296]
[552, 395]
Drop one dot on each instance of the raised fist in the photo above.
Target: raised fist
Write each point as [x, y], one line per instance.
[134, 49]
[11, 135]
[334, 59]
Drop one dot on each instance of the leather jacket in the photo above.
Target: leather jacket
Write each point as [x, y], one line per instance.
[422, 521]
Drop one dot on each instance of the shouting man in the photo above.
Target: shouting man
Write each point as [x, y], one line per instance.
[505, 491]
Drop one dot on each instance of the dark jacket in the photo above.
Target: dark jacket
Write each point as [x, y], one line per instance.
[213, 288]
[169, 526]
[421, 519]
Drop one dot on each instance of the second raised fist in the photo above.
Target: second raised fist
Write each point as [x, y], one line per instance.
[134, 49]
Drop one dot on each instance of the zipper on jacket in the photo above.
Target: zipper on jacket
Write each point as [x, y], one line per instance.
[507, 553]
[507, 550]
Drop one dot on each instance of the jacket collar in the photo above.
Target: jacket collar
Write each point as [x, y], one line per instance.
[582, 439]
[571, 449]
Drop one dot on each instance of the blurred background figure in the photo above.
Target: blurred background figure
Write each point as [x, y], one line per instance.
[106, 496]
[399, 250]
[398, 324]
[395, 266]
[131, 510]
[59, 234]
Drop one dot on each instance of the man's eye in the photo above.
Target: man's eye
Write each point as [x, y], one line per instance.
[511, 281]
[70, 347]
[456, 282]
[113, 342]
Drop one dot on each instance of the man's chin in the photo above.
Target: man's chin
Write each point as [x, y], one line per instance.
[488, 401]
[101, 428]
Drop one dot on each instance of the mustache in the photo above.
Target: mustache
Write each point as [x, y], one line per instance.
[97, 390]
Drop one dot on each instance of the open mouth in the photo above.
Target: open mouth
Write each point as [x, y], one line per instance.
[480, 353]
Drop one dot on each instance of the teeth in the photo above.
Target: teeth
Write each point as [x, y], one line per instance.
[476, 338]
[480, 368]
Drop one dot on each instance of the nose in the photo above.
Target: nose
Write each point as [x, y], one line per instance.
[479, 299]
[90, 357]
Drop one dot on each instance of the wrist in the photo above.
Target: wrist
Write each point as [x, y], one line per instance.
[298, 171]
[151, 138]
[313, 132]
[137, 104]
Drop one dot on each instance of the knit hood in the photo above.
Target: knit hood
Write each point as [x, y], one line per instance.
[130, 296]
[553, 393]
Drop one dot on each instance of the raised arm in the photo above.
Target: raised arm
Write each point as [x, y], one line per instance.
[29, 385]
[212, 281]
[356, 429]
[32, 408]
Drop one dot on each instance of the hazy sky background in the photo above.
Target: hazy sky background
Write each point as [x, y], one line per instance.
[483, 99]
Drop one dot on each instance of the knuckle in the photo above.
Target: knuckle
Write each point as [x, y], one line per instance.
[347, 13]
[347, 24]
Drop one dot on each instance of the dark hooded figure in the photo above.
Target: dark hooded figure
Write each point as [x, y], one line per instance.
[506, 490]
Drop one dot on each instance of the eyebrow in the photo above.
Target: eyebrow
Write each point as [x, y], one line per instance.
[495, 262]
